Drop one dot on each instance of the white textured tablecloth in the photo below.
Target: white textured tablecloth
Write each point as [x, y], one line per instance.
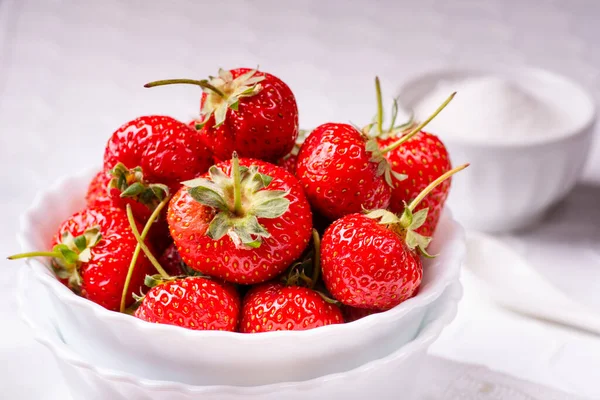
[71, 72]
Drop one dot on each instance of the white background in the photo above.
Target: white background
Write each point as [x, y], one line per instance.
[72, 72]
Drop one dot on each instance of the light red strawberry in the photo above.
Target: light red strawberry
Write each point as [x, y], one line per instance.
[91, 254]
[244, 228]
[342, 171]
[248, 111]
[276, 307]
[372, 261]
[193, 302]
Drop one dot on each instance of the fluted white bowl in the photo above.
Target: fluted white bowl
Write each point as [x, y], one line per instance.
[165, 352]
[388, 377]
[510, 186]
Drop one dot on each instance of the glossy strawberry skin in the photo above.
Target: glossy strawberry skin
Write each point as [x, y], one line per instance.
[290, 233]
[337, 174]
[275, 307]
[97, 193]
[264, 127]
[366, 265]
[168, 151]
[423, 158]
[104, 275]
[194, 302]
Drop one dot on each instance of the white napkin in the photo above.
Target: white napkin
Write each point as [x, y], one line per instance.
[443, 379]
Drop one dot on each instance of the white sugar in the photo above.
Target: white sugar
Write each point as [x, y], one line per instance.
[492, 109]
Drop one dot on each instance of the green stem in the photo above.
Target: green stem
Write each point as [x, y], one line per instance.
[36, 254]
[317, 258]
[433, 184]
[237, 186]
[394, 116]
[422, 125]
[379, 106]
[141, 246]
[203, 83]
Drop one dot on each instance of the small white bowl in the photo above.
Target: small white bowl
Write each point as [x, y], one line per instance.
[393, 373]
[166, 352]
[509, 186]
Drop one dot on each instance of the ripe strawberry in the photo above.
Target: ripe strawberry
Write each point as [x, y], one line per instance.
[342, 172]
[423, 158]
[193, 302]
[166, 150]
[288, 162]
[372, 261]
[91, 254]
[418, 157]
[112, 189]
[276, 307]
[248, 111]
[244, 224]
[97, 193]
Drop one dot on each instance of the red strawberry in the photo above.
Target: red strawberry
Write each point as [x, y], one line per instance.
[423, 158]
[167, 151]
[342, 172]
[372, 261]
[91, 254]
[419, 158]
[353, 313]
[97, 193]
[275, 307]
[244, 224]
[248, 111]
[289, 162]
[119, 187]
[193, 302]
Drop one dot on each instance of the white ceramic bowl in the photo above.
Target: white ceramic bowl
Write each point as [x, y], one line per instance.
[166, 352]
[510, 186]
[383, 378]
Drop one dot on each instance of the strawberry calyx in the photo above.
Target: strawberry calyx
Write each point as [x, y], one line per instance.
[223, 92]
[239, 200]
[383, 165]
[409, 221]
[131, 184]
[68, 255]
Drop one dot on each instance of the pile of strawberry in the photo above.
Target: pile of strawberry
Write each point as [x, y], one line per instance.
[217, 224]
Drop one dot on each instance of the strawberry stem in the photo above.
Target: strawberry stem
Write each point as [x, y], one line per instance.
[237, 187]
[433, 184]
[142, 246]
[416, 130]
[203, 84]
[36, 254]
[379, 106]
[317, 258]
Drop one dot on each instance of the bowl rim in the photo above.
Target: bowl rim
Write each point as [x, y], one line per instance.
[582, 128]
[45, 276]
[431, 330]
